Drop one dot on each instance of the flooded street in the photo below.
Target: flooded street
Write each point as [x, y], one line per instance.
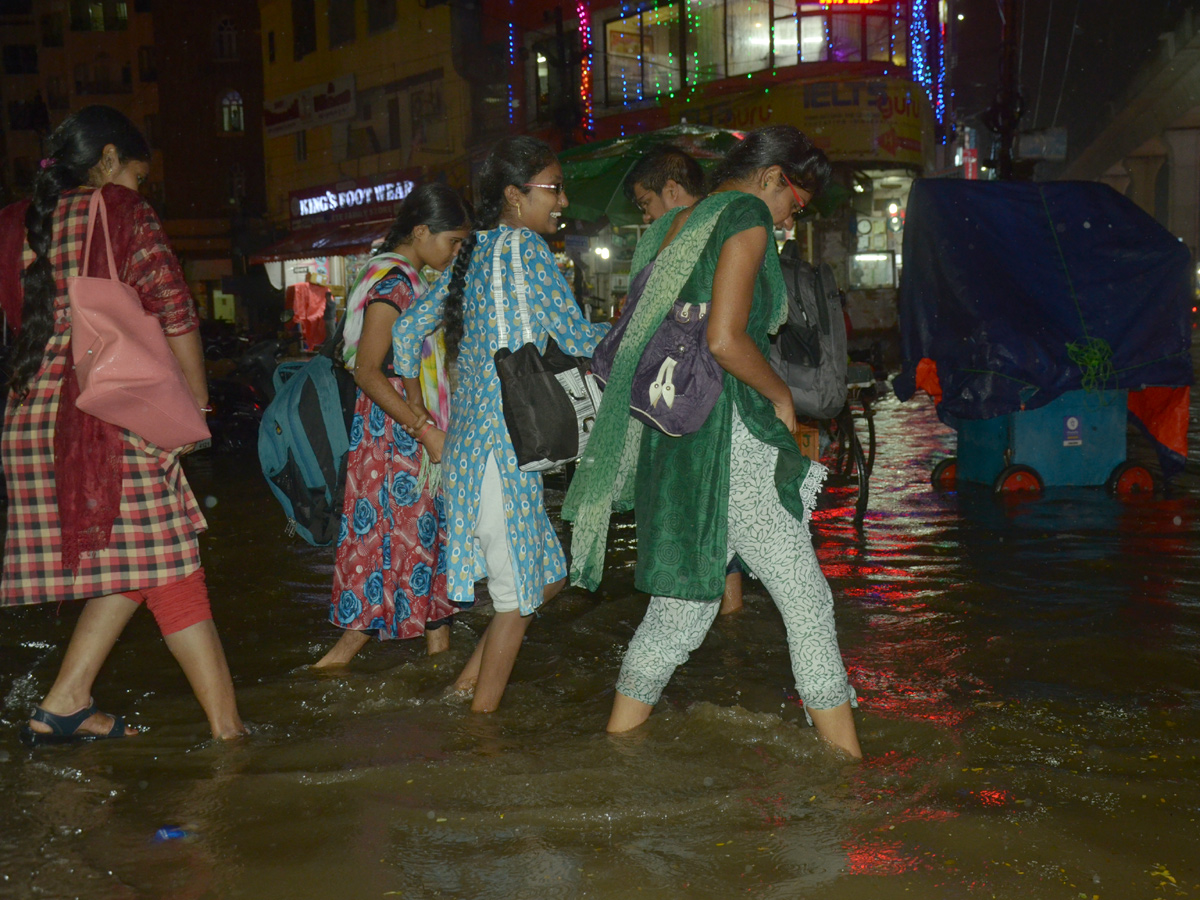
[1029, 679]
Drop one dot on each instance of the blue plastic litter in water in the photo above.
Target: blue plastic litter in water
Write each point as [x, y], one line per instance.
[169, 834]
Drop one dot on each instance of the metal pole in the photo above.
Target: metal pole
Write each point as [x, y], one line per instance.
[1004, 116]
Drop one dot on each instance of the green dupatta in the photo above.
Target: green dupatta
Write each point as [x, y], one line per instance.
[605, 478]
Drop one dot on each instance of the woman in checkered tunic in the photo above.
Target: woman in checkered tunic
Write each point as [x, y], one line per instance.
[95, 512]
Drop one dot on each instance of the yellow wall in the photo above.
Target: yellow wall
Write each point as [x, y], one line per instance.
[418, 42]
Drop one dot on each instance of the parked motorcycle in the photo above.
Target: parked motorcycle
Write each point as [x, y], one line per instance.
[240, 387]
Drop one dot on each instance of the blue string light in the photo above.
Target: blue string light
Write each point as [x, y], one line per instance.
[512, 64]
[934, 82]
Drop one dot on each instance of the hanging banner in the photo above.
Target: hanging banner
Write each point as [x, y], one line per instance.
[330, 101]
[883, 120]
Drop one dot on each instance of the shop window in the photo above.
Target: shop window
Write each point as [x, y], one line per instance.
[20, 59]
[341, 22]
[845, 37]
[225, 39]
[232, 113]
[705, 49]
[784, 33]
[53, 30]
[381, 14]
[813, 35]
[304, 28]
[749, 36]
[556, 76]
[642, 54]
[879, 36]
[147, 65]
[900, 35]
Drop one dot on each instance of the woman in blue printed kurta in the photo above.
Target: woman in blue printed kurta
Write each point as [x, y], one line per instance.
[496, 519]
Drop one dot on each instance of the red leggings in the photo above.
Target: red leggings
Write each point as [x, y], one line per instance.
[178, 605]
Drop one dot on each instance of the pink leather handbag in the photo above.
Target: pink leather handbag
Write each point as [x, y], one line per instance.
[127, 373]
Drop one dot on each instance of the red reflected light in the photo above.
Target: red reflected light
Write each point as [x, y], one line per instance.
[879, 858]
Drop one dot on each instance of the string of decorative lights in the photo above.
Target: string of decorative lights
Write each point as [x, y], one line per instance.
[585, 64]
[637, 76]
[512, 63]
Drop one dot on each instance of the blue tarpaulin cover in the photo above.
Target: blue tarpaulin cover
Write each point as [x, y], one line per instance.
[1019, 292]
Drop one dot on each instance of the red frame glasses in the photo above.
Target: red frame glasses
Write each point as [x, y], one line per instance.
[795, 193]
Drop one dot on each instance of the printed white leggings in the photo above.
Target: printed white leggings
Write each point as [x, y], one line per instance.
[776, 548]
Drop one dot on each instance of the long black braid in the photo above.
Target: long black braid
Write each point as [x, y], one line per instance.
[73, 150]
[513, 161]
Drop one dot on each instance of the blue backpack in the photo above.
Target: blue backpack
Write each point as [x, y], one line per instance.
[304, 440]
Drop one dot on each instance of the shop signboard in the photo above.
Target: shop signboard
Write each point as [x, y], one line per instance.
[352, 199]
[330, 101]
[884, 120]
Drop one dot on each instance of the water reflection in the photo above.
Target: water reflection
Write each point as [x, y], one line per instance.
[1029, 710]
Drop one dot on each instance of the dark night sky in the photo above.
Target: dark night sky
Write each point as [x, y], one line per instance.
[1113, 40]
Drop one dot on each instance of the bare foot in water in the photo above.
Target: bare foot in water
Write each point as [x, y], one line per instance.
[437, 640]
[344, 650]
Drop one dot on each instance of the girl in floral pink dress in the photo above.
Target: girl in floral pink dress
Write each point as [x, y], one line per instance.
[389, 576]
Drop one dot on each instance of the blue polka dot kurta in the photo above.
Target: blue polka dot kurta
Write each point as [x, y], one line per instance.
[477, 417]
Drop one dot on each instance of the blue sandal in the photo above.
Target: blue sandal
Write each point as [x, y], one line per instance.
[65, 729]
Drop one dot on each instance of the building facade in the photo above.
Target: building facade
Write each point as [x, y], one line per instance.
[363, 100]
[865, 79]
[60, 55]
[187, 74]
[1150, 148]
[208, 70]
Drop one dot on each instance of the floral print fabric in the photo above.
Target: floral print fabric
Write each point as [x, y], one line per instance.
[390, 571]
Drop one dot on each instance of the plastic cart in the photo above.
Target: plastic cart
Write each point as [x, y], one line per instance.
[1077, 439]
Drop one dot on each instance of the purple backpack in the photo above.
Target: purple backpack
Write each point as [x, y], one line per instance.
[677, 381]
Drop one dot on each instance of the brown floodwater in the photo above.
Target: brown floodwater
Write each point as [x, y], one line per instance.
[1029, 678]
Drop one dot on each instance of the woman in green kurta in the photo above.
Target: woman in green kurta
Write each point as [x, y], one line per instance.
[739, 484]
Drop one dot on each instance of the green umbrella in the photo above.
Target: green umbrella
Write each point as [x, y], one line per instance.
[595, 173]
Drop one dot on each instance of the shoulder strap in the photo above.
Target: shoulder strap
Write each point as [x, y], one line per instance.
[499, 299]
[97, 203]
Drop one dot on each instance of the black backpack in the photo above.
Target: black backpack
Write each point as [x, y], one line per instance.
[809, 351]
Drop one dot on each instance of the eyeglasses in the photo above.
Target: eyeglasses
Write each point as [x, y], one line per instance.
[559, 188]
[795, 193]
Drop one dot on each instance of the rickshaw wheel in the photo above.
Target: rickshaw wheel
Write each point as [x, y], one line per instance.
[1017, 480]
[945, 475]
[1129, 479]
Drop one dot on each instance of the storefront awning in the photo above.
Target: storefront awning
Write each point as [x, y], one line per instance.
[340, 239]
